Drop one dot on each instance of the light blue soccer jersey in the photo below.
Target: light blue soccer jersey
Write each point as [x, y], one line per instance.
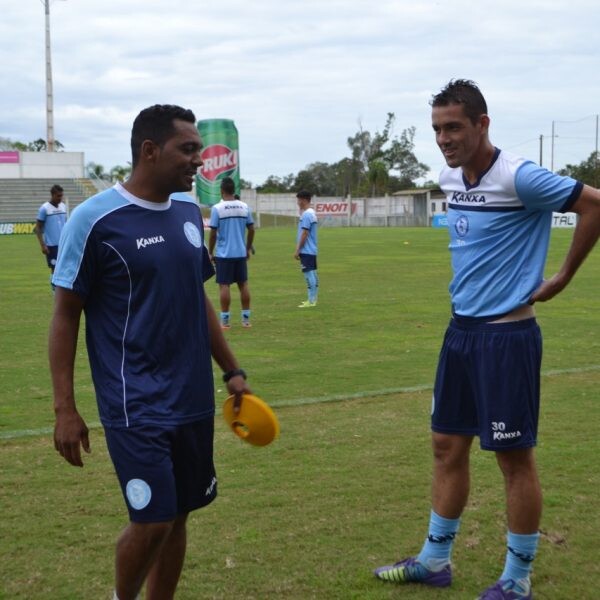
[308, 222]
[231, 218]
[499, 232]
[140, 268]
[54, 219]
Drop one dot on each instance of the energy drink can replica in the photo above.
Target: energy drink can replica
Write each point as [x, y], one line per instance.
[220, 156]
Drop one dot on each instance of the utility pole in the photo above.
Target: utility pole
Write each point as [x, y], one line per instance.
[552, 150]
[49, 95]
[596, 156]
[541, 149]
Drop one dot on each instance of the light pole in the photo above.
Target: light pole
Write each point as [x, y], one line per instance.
[49, 95]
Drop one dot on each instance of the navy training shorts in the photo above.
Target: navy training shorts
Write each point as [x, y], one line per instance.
[488, 383]
[231, 270]
[308, 262]
[164, 471]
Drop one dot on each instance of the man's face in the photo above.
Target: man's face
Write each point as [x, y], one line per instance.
[457, 136]
[56, 198]
[302, 204]
[178, 160]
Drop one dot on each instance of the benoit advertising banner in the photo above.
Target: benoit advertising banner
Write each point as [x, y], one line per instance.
[333, 209]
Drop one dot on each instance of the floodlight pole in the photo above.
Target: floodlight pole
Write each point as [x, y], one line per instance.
[49, 95]
[552, 150]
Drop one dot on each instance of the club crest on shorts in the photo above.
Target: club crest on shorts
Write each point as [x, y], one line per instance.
[462, 226]
[192, 233]
[138, 493]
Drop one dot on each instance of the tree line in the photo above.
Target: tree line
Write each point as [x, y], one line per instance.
[378, 164]
[93, 170]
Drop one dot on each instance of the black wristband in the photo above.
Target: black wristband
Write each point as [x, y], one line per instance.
[227, 376]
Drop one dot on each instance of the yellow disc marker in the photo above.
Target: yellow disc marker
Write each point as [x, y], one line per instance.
[256, 423]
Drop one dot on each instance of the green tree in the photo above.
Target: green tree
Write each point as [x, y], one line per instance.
[587, 171]
[119, 173]
[378, 177]
[382, 160]
[277, 185]
[96, 171]
[400, 157]
[40, 145]
[318, 178]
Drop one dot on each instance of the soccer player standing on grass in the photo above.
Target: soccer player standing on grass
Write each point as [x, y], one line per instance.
[133, 259]
[51, 219]
[306, 247]
[488, 376]
[232, 232]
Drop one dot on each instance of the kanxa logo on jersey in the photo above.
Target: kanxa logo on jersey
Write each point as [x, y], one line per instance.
[218, 161]
[143, 242]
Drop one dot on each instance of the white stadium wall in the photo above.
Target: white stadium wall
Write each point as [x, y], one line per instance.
[41, 165]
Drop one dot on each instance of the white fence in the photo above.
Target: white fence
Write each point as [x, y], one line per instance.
[407, 209]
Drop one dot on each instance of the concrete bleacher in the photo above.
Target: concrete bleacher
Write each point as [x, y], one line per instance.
[21, 198]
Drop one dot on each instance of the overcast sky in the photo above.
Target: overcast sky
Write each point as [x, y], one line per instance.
[299, 77]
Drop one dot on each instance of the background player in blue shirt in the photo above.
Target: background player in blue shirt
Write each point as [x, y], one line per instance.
[232, 232]
[306, 247]
[51, 219]
[488, 377]
[133, 259]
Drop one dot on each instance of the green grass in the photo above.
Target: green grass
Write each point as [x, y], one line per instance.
[346, 487]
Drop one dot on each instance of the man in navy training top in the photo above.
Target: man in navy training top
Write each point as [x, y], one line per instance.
[51, 219]
[133, 259]
[306, 247]
[232, 232]
[488, 376]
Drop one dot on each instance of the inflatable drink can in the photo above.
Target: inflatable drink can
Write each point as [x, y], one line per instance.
[220, 156]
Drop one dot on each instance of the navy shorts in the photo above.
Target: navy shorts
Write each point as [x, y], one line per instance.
[51, 256]
[488, 383]
[308, 262]
[231, 270]
[164, 471]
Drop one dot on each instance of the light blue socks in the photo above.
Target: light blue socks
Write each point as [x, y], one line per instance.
[519, 556]
[437, 550]
[312, 282]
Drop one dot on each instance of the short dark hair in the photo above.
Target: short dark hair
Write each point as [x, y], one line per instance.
[56, 188]
[304, 195]
[156, 123]
[465, 92]
[228, 186]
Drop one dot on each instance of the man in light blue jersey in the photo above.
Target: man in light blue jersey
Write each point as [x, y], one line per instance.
[306, 247]
[232, 232]
[133, 259]
[488, 377]
[51, 219]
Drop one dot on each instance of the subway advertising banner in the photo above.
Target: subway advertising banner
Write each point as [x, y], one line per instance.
[220, 158]
[17, 228]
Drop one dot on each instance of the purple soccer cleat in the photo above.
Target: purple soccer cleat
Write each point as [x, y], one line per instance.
[508, 589]
[410, 570]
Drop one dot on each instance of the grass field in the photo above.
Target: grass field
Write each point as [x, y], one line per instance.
[346, 487]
